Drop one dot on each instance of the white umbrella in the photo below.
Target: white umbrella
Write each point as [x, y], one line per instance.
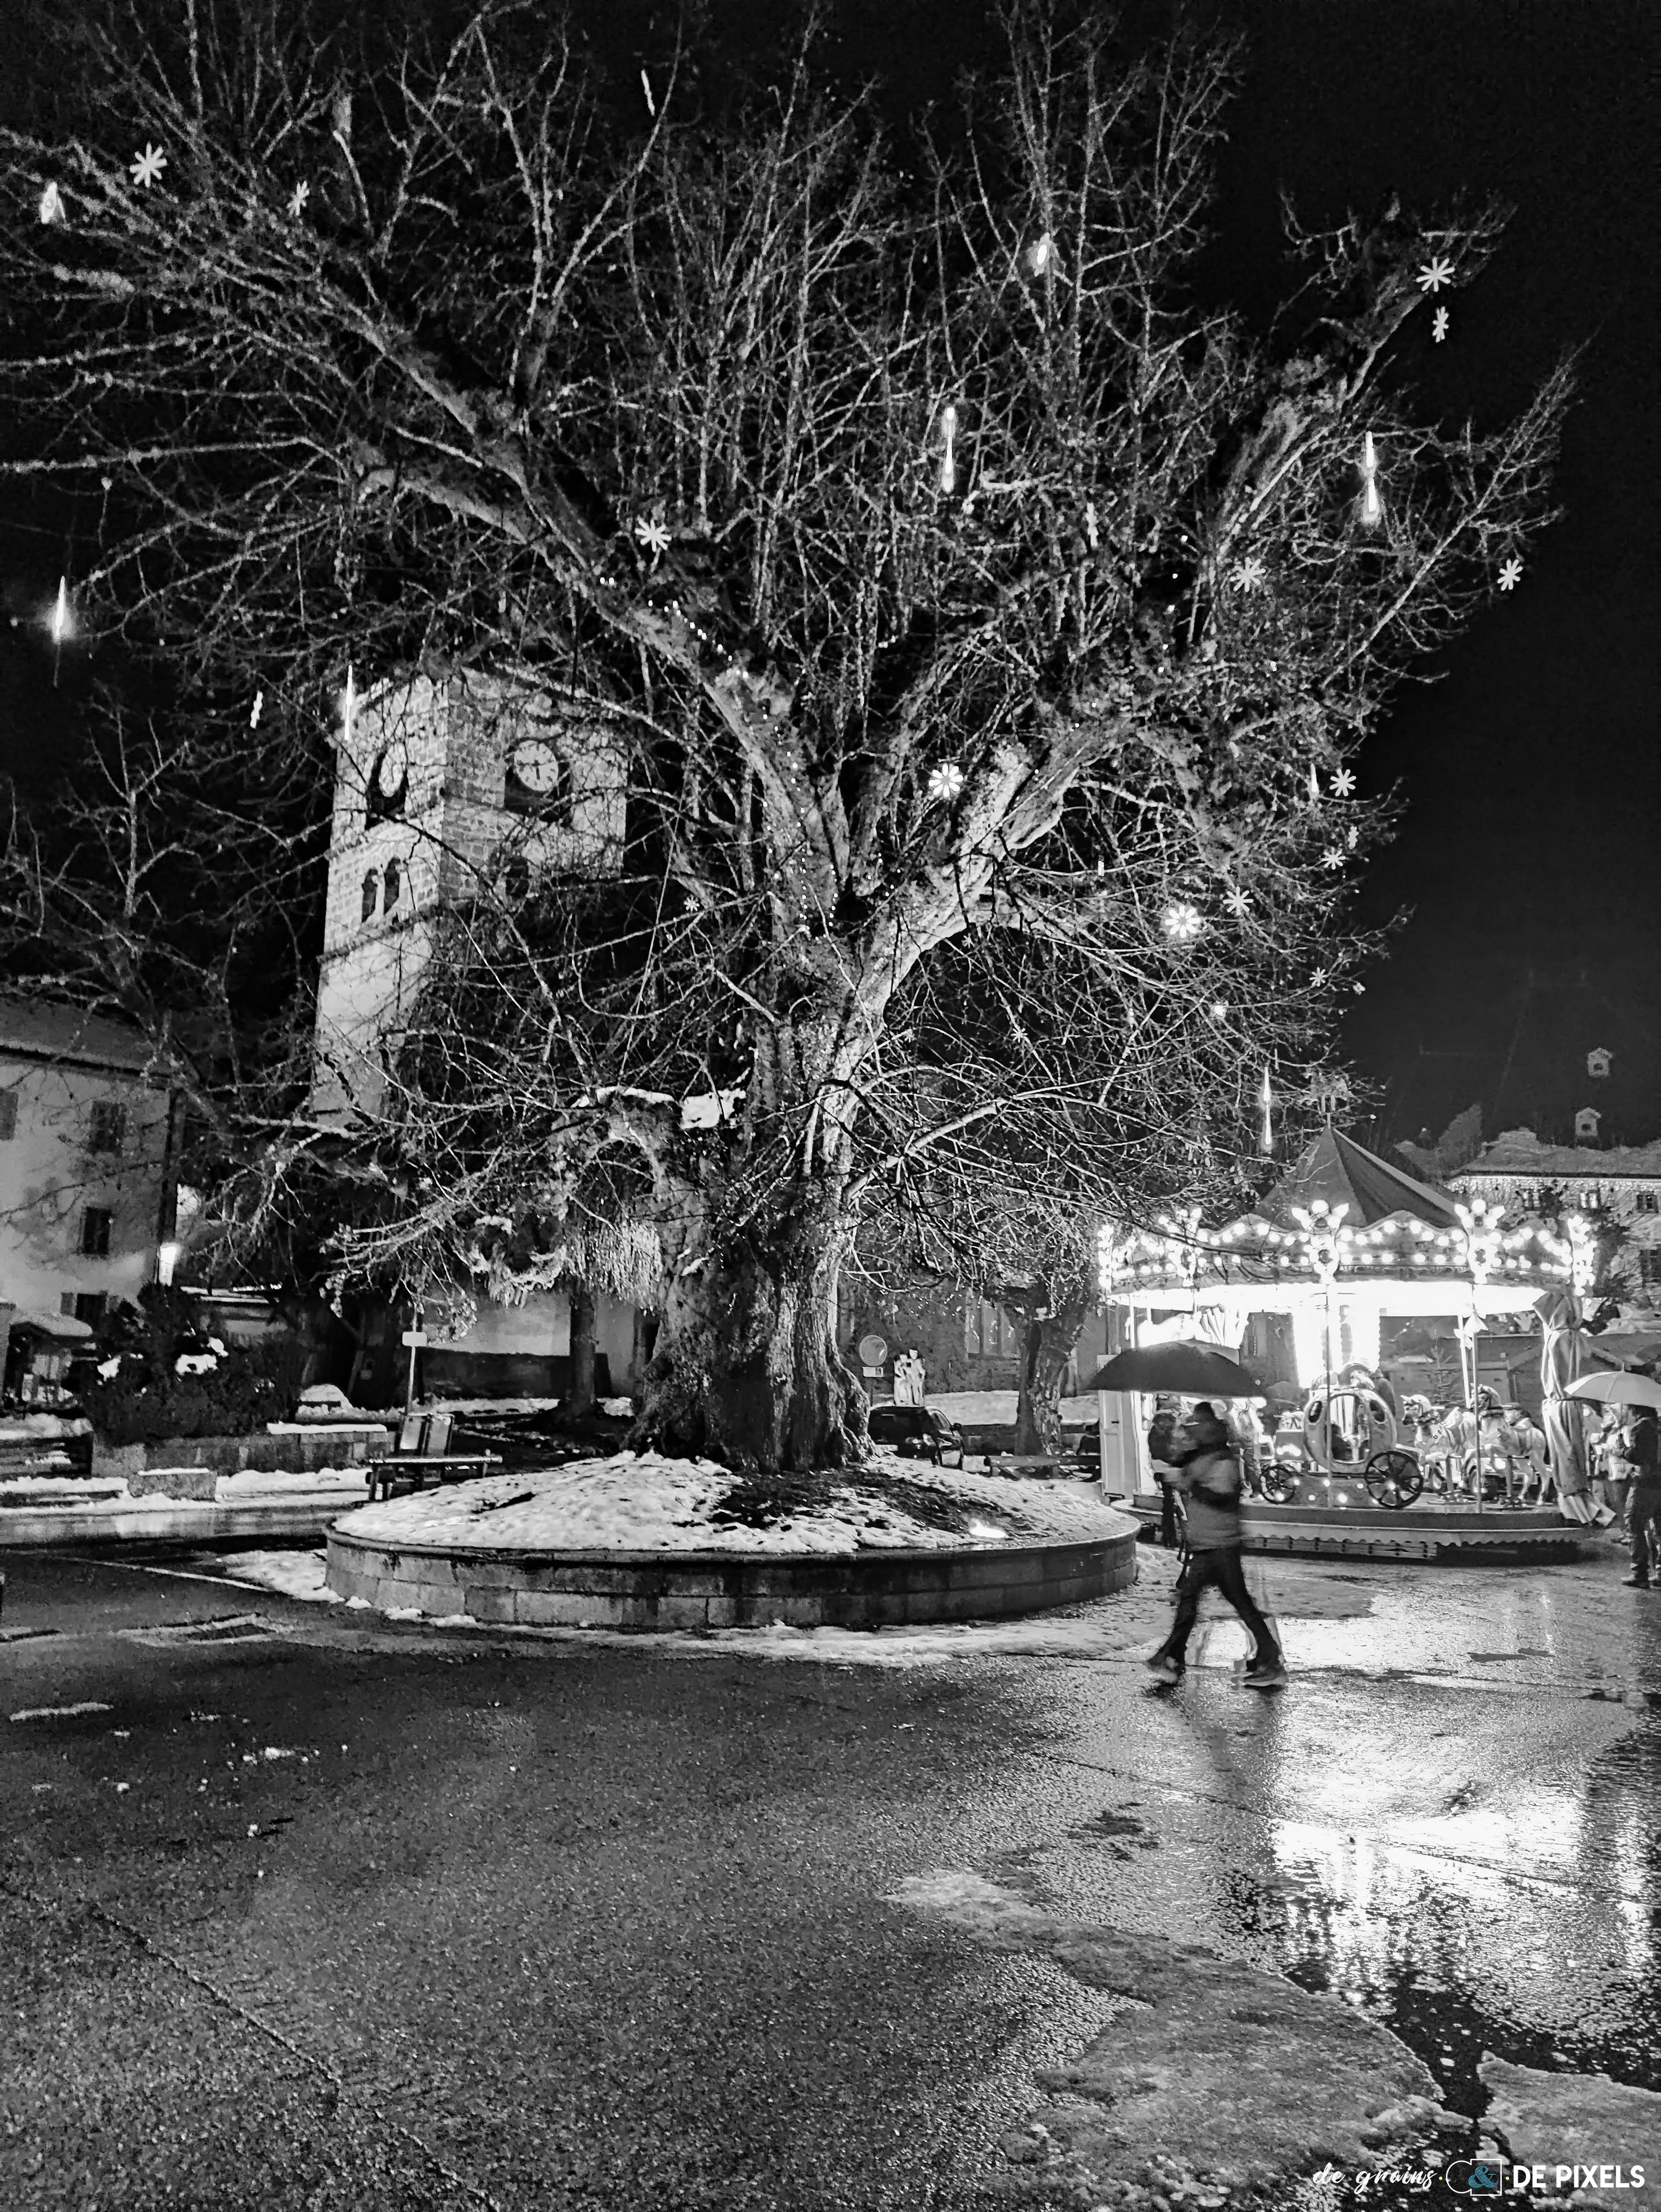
[1606, 1389]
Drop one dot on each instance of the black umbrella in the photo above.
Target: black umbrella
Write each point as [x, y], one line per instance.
[1182, 1371]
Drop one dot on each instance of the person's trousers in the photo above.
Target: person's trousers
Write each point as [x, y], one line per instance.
[1643, 1523]
[1222, 1570]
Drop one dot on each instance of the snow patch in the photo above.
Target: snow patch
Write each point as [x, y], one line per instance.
[61, 1712]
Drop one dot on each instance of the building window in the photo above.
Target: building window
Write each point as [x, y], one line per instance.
[371, 896]
[89, 1306]
[394, 886]
[1649, 1201]
[7, 1116]
[1649, 1269]
[95, 1233]
[109, 1124]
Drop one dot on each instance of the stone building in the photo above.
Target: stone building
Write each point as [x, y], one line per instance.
[88, 1139]
[448, 789]
[1617, 1187]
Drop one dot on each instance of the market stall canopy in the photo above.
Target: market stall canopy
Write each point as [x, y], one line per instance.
[1338, 1171]
[1182, 1371]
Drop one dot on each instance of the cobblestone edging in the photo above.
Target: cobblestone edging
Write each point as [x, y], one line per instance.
[717, 1589]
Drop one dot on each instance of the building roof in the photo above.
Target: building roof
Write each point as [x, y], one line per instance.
[1343, 1173]
[1520, 1153]
[38, 1029]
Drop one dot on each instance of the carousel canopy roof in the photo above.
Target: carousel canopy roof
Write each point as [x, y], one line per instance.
[1343, 1173]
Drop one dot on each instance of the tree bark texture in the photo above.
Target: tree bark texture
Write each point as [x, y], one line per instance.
[746, 1369]
[580, 1401]
[1049, 1344]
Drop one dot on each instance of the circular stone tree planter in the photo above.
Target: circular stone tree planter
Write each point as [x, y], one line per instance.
[576, 1588]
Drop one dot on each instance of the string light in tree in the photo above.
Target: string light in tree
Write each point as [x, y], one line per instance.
[1439, 325]
[944, 782]
[1039, 255]
[146, 168]
[51, 208]
[948, 448]
[1512, 574]
[1372, 505]
[254, 711]
[60, 622]
[1434, 273]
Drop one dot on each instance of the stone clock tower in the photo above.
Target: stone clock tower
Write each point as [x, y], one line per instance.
[446, 789]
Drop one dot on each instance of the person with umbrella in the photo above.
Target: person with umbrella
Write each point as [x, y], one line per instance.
[1644, 1498]
[1211, 1484]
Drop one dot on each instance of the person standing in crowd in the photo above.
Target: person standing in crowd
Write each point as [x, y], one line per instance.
[1211, 1483]
[1643, 1458]
[1165, 1452]
[1609, 1460]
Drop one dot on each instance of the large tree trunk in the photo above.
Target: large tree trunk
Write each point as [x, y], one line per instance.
[745, 1368]
[579, 1403]
[1050, 1338]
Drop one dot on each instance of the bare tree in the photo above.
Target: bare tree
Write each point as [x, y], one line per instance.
[987, 627]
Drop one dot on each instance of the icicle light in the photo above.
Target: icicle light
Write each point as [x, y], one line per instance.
[948, 448]
[1372, 507]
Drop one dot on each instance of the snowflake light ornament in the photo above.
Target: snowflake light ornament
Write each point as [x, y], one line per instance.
[1439, 325]
[1237, 902]
[1333, 857]
[298, 197]
[1512, 574]
[1434, 273]
[1342, 784]
[1318, 979]
[652, 534]
[51, 208]
[1182, 921]
[146, 167]
[944, 782]
[1247, 576]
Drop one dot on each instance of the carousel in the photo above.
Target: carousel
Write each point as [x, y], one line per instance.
[1347, 1254]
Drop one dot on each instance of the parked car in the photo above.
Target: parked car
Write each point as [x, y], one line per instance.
[917, 1433]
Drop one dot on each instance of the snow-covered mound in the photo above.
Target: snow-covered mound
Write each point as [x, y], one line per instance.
[643, 1502]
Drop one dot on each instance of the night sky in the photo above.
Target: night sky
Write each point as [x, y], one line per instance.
[1530, 855]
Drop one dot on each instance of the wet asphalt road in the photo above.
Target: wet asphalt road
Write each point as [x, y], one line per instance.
[320, 1913]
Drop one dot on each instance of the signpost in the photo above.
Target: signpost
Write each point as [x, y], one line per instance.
[414, 1337]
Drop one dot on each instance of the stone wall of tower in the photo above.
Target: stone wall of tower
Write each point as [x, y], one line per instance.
[450, 843]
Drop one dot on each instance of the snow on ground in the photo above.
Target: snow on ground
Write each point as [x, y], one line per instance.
[975, 1409]
[233, 1489]
[645, 1501]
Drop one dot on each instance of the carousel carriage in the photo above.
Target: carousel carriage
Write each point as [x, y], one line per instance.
[1350, 1431]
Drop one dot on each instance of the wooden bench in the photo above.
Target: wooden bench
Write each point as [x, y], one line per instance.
[422, 1449]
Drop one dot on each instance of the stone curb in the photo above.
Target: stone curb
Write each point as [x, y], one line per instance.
[585, 1588]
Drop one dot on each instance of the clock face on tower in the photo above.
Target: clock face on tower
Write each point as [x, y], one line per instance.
[539, 779]
[389, 783]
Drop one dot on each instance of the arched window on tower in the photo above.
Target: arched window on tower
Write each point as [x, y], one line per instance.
[394, 887]
[371, 895]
